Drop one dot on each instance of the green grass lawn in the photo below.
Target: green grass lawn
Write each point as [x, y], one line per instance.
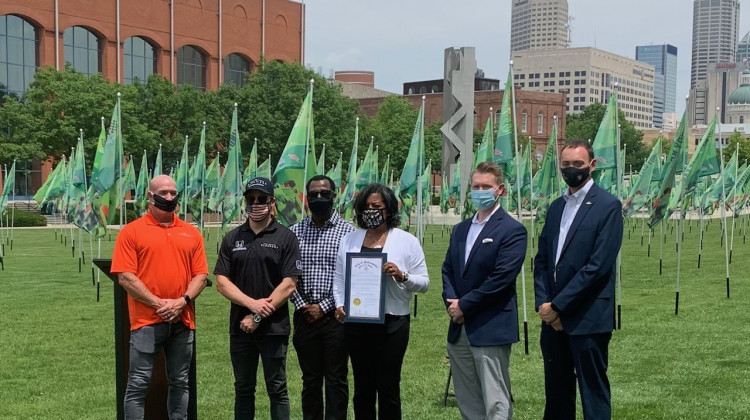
[57, 344]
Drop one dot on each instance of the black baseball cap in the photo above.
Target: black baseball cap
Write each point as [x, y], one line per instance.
[261, 184]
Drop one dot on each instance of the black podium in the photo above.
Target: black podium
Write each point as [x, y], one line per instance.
[156, 398]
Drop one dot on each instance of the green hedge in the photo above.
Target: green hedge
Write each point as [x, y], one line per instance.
[25, 219]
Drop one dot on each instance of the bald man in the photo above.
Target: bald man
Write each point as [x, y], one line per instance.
[161, 262]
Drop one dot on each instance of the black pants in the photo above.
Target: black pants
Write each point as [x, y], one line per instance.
[245, 351]
[323, 359]
[570, 357]
[377, 354]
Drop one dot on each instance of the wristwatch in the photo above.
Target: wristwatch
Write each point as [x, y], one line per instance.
[404, 276]
[187, 298]
[257, 318]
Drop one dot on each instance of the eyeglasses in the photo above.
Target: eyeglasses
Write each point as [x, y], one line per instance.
[261, 199]
[328, 194]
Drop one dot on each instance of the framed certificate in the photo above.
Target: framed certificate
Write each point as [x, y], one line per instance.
[365, 287]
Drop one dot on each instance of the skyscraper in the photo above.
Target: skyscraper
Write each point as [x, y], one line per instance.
[715, 26]
[538, 25]
[743, 49]
[664, 60]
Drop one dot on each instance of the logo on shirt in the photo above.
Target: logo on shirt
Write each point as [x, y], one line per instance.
[239, 246]
[299, 265]
[269, 245]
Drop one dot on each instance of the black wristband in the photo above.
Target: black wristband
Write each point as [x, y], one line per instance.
[187, 298]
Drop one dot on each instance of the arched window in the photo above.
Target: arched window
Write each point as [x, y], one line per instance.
[422, 89]
[140, 59]
[81, 50]
[540, 123]
[235, 67]
[411, 91]
[524, 120]
[742, 119]
[17, 55]
[191, 67]
[435, 89]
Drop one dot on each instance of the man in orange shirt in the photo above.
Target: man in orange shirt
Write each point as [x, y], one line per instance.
[161, 262]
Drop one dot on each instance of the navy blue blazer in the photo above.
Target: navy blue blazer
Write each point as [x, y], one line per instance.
[486, 284]
[584, 291]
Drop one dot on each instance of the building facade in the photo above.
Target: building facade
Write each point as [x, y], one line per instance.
[743, 48]
[664, 60]
[715, 32]
[204, 43]
[538, 24]
[588, 75]
[712, 93]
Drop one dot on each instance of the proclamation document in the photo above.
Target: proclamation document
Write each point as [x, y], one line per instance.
[365, 287]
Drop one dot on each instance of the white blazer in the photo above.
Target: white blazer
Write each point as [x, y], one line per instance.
[404, 250]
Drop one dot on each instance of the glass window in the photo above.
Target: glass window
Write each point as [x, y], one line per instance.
[524, 118]
[81, 50]
[191, 67]
[235, 67]
[18, 59]
[540, 122]
[140, 59]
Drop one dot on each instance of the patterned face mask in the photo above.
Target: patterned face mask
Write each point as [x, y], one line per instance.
[373, 218]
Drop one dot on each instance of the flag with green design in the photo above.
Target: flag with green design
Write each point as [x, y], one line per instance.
[296, 165]
[158, 170]
[251, 170]
[660, 208]
[230, 183]
[105, 175]
[640, 192]
[704, 162]
[605, 142]
[364, 174]
[503, 151]
[141, 187]
[320, 168]
[386, 170]
[9, 185]
[546, 182]
[347, 198]
[335, 174]
[412, 168]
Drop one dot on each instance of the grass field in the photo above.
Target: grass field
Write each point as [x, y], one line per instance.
[57, 345]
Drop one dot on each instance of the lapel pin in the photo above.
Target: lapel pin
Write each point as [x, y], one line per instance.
[487, 240]
[588, 203]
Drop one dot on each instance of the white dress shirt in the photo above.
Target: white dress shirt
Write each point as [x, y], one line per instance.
[572, 204]
[474, 230]
[405, 251]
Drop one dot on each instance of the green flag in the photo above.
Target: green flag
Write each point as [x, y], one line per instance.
[183, 179]
[251, 170]
[546, 179]
[503, 151]
[296, 165]
[639, 194]
[212, 173]
[108, 171]
[445, 194]
[129, 181]
[141, 187]
[386, 169]
[704, 161]
[58, 185]
[407, 184]
[347, 198]
[264, 169]
[335, 174]
[8, 186]
[605, 142]
[320, 168]
[660, 209]
[364, 175]
[230, 188]
[158, 170]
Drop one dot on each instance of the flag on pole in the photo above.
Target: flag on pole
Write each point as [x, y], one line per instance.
[230, 188]
[9, 186]
[705, 161]
[503, 152]
[158, 170]
[351, 177]
[320, 168]
[106, 174]
[298, 157]
[386, 169]
[251, 170]
[264, 169]
[407, 184]
[141, 187]
[605, 142]
[661, 208]
[364, 174]
[640, 191]
[546, 180]
[335, 174]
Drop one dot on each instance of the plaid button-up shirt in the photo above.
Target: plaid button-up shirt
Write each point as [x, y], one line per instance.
[318, 247]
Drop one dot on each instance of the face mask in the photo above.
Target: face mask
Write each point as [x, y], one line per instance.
[574, 177]
[483, 199]
[258, 212]
[320, 207]
[163, 204]
[373, 218]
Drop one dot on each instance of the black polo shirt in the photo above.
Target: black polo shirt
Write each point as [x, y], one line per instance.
[257, 264]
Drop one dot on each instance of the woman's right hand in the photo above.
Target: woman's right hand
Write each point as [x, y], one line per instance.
[340, 314]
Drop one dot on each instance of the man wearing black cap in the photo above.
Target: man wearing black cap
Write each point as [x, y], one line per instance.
[257, 270]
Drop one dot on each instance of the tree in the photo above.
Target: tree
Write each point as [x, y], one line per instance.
[584, 126]
[736, 140]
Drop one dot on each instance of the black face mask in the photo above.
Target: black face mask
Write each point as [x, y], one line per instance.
[320, 207]
[373, 218]
[163, 204]
[574, 177]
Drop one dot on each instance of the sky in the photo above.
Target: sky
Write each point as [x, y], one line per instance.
[404, 40]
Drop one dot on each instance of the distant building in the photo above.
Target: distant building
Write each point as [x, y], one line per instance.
[538, 25]
[715, 33]
[356, 77]
[713, 92]
[588, 75]
[743, 48]
[664, 60]
[481, 83]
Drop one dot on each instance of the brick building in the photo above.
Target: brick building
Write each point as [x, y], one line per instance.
[535, 111]
[204, 43]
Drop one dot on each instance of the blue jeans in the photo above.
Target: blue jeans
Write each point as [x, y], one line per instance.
[245, 350]
[145, 344]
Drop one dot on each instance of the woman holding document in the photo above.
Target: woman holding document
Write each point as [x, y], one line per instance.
[375, 285]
